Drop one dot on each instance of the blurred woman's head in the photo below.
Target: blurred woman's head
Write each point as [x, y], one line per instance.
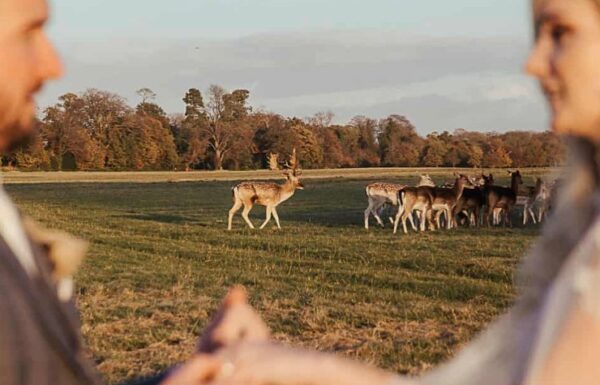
[566, 61]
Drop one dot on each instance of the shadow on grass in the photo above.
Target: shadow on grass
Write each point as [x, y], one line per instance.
[164, 218]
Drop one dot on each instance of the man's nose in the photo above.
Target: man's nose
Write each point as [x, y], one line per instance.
[50, 64]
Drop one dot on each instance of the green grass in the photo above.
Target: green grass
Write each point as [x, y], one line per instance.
[161, 259]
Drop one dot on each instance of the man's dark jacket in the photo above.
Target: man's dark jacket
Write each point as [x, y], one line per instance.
[39, 338]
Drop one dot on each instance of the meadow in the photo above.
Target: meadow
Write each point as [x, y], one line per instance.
[161, 260]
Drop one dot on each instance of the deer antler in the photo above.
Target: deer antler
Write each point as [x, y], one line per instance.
[292, 164]
[274, 161]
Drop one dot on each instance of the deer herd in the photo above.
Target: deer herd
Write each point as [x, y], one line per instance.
[468, 201]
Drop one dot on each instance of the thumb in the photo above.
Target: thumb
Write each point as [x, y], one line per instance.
[237, 295]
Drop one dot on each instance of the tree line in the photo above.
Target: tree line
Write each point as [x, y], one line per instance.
[98, 130]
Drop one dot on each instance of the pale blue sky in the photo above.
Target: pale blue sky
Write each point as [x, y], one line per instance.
[443, 63]
[234, 18]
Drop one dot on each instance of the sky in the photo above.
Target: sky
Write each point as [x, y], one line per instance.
[444, 64]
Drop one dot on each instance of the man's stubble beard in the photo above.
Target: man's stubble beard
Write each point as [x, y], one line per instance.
[17, 134]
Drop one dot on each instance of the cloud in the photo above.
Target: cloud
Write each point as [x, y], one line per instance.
[434, 81]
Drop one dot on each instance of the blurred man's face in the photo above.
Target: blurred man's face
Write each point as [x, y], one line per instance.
[27, 61]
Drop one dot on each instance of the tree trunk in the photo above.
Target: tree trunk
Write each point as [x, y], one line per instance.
[218, 160]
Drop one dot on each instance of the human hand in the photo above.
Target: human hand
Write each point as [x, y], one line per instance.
[235, 322]
[199, 370]
[273, 364]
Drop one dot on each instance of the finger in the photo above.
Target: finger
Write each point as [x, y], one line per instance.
[229, 322]
[241, 322]
[236, 296]
[196, 371]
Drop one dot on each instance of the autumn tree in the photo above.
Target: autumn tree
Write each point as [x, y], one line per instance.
[141, 142]
[190, 134]
[63, 128]
[100, 111]
[309, 149]
[30, 154]
[434, 151]
[496, 154]
[368, 150]
[399, 143]
[225, 112]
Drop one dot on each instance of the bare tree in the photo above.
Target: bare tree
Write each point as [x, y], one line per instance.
[146, 94]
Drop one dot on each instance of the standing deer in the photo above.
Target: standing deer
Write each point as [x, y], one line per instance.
[380, 194]
[472, 201]
[537, 198]
[503, 198]
[266, 194]
[445, 199]
[418, 198]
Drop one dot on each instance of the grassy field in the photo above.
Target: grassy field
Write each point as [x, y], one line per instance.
[161, 259]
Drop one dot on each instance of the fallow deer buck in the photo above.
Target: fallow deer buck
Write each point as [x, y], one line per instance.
[503, 198]
[267, 194]
[379, 194]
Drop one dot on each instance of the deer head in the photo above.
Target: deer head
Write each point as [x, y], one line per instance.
[464, 180]
[516, 175]
[488, 180]
[291, 172]
[425, 180]
[477, 181]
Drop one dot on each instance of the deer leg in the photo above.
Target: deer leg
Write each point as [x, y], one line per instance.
[268, 218]
[367, 214]
[427, 219]
[411, 219]
[416, 214]
[399, 215]
[245, 213]
[391, 217]
[408, 215]
[533, 216]
[236, 207]
[276, 217]
[376, 215]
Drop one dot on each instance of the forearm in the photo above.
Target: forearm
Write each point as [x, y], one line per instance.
[334, 370]
[278, 365]
[154, 380]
